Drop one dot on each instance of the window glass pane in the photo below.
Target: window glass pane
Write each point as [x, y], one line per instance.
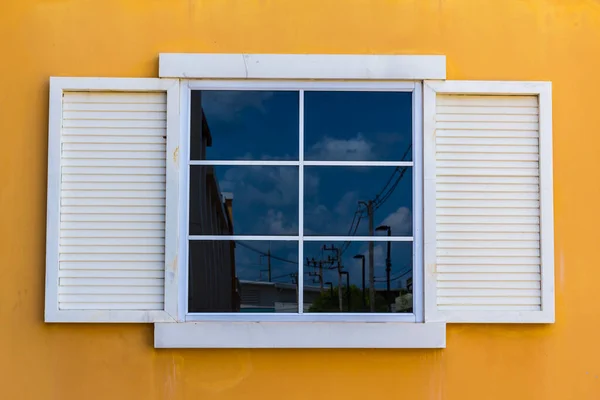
[236, 276]
[243, 124]
[245, 200]
[331, 265]
[332, 196]
[366, 126]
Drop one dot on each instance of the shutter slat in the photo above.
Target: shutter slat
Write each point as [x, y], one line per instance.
[121, 202]
[122, 163]
[112, 210]
[113, 217]
[141, 257]
[485, 118]
[488, 260]
[507, 299]
[509, 212]
[112, 290]
[465, 109]
[477, 244]
[119, 107]
[112, 206]
[144, 147]
[490, 180]
[487, 164]
[113, 132]
[118, 234]
[112, 226]
[113, 274]
[112, 306]
[460, 277]
[102, 139]
[504, 172]
[502, 126]
[489, 284]
[500, 220]
[85, 282]
[125, 155]
[475, 187]
[486, 133]
[488, 195]
[127, 194]
[110, 298]
[496, 236]
[115, 123]
[115, 178]
[78, 115]
[482, 228]
[488, 308]
[114, 97]
[500, 253]
[484, 269]
[112, 250]
[458, 203]
[114, 265]
[487, 101]
[150, 186]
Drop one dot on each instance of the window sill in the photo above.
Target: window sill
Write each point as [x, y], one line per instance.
[299, 335]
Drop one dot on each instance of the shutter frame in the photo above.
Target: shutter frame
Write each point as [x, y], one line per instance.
[543, 91]
[59, 86]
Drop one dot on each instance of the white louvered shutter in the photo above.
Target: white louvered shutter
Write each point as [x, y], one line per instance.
[488, 202]
[107, 197]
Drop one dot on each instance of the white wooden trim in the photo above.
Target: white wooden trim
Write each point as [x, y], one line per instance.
[57, 87]
[112, 84]
[489, 87]
[418, 266]
[302, 66]
[429, 206]
[172, 219]
[300, 86]
[184, 195]
[546, 201]
[110, 316]
[299, 335]
[53, 201]
[305, 317]
[295, 85]
[544, 92]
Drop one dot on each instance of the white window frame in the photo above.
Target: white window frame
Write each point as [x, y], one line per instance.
[360, 72]
[416, 166]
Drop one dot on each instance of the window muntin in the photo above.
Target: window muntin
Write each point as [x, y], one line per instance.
[392, 167]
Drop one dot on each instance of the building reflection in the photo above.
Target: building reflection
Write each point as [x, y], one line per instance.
[213, 284]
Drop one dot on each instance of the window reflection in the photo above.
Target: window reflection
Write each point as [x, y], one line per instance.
[244, 124]
[346, 265]
[358, 126]
[243, 276]
[336, 200]
[246, 200]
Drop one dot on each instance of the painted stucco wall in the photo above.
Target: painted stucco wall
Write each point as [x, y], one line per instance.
[557, 40]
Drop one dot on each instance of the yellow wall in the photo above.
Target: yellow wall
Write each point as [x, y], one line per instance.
[557, 40]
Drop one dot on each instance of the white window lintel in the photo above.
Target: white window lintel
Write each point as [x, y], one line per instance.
[302, 66]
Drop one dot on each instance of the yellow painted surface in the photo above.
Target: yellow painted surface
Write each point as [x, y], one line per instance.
[557, 40]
